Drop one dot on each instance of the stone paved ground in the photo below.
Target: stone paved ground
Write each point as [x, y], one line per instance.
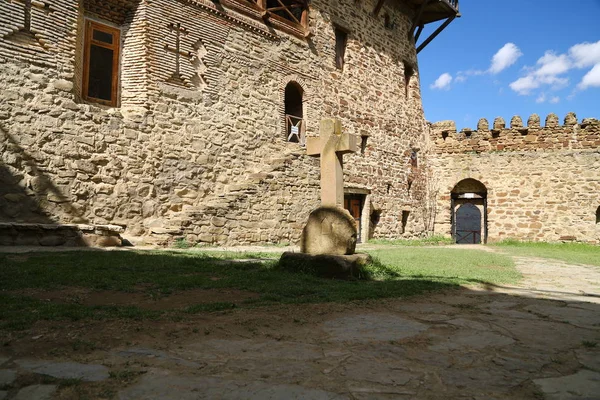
[540, 339]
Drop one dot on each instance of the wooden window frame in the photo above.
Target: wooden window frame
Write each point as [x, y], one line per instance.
[258, 10]
[90, 27]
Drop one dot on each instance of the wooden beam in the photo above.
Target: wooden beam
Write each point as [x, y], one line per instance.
[417, 19]
[419, 32]
[434, 34]
[378, 7]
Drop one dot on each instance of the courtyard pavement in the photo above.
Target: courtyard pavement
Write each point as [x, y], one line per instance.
[539, 339]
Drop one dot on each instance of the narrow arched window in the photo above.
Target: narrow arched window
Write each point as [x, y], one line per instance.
[598, 215]
[409, 71]
[294, 114]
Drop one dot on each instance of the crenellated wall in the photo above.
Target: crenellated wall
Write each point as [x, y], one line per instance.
[543, 182]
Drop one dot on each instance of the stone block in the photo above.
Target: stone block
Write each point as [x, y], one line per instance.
[324, 265]
[52, 240]
[329, 230]
[62, 84]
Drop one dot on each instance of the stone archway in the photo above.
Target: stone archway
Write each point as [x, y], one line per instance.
[468, 208]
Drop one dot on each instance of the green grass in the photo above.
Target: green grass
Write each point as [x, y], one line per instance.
[435, 240]
[444, 265]
[397, 273]
[578, 253]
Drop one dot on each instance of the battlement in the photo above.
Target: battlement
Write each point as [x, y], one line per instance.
[572, 135]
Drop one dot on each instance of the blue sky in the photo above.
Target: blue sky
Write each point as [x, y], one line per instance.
[514, 57]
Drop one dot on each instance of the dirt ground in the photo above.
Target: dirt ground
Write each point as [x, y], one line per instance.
[539, 339]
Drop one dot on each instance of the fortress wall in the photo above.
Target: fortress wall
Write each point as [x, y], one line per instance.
[543, 183]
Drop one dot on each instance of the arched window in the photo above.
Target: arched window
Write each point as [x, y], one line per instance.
[598, 215]
[294, 114]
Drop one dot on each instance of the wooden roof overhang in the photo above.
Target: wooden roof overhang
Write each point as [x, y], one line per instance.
[427, 12]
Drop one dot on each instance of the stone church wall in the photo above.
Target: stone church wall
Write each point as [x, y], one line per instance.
[202, 154]
[543, 183]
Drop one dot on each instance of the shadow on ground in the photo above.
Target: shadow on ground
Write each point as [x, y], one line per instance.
[310, 338]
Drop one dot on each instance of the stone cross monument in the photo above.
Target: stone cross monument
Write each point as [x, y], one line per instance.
[329, 237]
[331, 145]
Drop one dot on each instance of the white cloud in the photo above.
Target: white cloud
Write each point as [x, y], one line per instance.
[525, 85]
[591, 79]
[504, 58]
[555, 100]
[443, 82]
[552, 65]
[585, 54]
[551, 68]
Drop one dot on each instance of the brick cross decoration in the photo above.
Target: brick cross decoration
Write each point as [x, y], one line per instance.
[330, 146]
[25, 30]
[179, 30]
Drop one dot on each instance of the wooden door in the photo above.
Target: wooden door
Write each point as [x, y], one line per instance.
[354, 206]
[468, 224]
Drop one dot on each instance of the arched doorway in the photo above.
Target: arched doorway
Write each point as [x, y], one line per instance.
[468, 205]
[294, 113]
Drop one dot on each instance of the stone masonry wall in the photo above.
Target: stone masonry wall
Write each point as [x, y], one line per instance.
[543, 183]
[202, 155]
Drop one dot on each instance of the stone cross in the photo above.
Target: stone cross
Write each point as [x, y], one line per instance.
[331, 145]
[177, 50]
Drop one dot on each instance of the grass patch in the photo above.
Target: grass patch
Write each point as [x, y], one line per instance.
[435, 240]
[397, 273]
[444, 265]
[181, 243]
[578, 253]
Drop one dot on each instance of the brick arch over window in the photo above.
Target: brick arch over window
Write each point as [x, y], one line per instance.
[300, 84]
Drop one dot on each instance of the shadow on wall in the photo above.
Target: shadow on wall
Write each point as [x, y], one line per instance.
[30, 202]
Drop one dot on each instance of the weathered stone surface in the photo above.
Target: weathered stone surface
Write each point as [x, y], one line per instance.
[7, 376]
[582, 385]
[551, 120]
[329, 230]
[159, 355]
[14, 233]
[533, 179]
[330, 146]
[470, 340]
[499, 123]
[325, 265]
[66, 370]
[36, 392]
[516, 122]
[214, 138]
[372, 327]
[63, 85]
[259, 349]
[533, 121]
[570, 119]
[589, 358]
[162, 387]
[581, 317]
[483, 125]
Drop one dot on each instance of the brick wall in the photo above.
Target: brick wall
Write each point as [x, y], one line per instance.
[203, 156]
